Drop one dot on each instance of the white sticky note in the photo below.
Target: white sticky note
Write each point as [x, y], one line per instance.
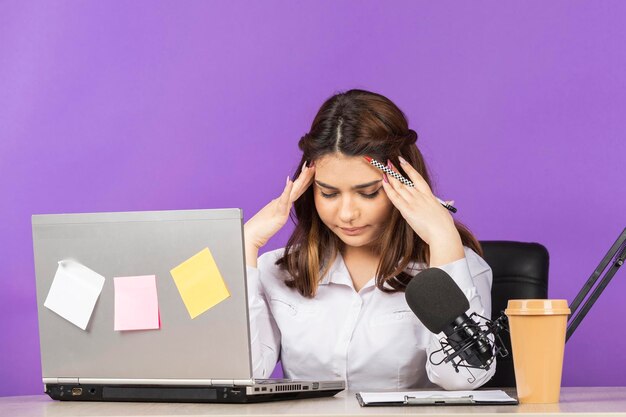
[74, 292]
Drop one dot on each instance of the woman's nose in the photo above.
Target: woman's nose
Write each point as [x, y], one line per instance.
[348, 211]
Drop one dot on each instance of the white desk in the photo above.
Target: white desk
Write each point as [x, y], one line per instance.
[594, 401]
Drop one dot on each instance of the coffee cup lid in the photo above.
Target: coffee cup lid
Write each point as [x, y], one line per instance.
[536, 307]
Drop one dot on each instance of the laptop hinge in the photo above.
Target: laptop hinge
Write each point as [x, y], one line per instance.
[233, 382]
[223, 382]
[60, 380]
[248, 382]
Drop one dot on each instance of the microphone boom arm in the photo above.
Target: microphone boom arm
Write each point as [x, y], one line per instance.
[616, 255]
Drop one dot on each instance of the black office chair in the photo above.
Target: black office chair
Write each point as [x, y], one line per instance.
[520, 270]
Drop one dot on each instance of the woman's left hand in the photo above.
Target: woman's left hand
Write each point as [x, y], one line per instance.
[421, 209]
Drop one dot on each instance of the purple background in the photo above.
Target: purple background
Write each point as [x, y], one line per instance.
[115, 106]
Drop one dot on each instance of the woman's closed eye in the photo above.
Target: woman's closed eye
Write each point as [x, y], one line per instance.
[364, 195]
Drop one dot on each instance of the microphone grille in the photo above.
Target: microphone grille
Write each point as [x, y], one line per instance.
[435, 299]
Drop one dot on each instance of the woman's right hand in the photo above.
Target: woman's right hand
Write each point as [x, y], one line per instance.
[271, 218]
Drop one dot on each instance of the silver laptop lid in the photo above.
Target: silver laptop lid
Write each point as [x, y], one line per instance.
[213, 345]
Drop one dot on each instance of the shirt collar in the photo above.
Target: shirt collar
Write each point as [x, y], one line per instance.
[338, 272]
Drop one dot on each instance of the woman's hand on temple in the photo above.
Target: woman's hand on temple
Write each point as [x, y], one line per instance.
[425, 214]
[271, 218]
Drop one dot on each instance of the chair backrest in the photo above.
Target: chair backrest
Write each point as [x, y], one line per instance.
[520, 271]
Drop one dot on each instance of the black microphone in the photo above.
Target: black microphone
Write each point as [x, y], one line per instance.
[441, 306]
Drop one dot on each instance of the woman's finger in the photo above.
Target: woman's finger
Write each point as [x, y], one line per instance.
[403, 190]
[418, 181]
[305, 179]
[283, 203]
[395, 198]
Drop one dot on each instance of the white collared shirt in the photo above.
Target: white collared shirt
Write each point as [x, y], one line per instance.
[370, 339]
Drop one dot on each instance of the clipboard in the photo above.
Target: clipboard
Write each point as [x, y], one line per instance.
[436, 398]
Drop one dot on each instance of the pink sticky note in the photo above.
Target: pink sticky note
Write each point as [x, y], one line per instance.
[136, 303]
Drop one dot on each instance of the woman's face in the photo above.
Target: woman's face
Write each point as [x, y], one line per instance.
[350, 199]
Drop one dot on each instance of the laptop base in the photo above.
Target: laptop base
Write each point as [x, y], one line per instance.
[153, 393]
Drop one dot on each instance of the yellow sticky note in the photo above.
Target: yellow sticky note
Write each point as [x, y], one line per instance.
[200, 283]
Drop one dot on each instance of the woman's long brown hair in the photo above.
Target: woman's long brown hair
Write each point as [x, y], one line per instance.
[357, 123]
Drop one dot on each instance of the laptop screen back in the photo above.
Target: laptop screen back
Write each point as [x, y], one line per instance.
[213, 345]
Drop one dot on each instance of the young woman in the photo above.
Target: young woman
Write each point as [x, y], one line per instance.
[331, 304]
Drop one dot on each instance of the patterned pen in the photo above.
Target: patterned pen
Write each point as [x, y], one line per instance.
[403, 180]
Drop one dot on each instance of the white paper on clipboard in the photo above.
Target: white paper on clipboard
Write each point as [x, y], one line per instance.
[434, 398]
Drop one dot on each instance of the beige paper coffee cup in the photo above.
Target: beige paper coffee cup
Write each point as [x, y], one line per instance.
[538, 340]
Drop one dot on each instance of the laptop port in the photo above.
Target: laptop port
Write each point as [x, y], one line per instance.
[77, 392]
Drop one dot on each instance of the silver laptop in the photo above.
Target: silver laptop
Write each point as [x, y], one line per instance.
[204, 359]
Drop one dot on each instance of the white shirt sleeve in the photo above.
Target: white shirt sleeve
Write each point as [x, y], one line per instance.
[264, 333]
[474, 277]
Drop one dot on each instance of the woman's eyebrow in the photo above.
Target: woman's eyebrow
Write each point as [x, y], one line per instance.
[356, 187]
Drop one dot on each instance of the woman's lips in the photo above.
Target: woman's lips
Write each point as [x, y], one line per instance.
[352, 231]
